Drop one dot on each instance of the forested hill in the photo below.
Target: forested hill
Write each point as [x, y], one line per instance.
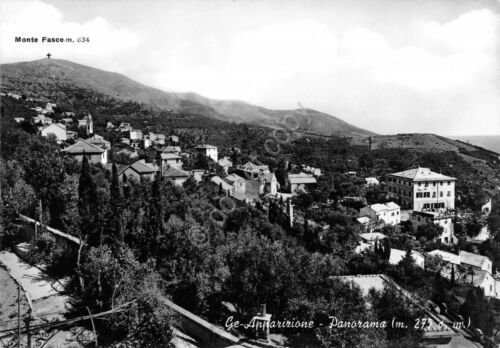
[57, 80]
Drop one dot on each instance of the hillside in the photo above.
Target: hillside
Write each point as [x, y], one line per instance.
[52, 79]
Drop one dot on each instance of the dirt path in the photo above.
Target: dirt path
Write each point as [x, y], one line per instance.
[43, 290]
[8, 301]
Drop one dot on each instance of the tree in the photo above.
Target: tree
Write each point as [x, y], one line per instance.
[387, 249]
[390, 304]
[190, 185]
[478, 309]
[201, 161]
[87, 198]
[429, 231]
[116, 194]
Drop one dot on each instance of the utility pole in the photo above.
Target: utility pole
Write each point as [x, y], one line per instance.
[18, 316]
[27, 321]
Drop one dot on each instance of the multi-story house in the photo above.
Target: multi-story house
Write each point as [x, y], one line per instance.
[208, 150]
[388, 213]
[87, 124]
[443, 219]
[422, 189]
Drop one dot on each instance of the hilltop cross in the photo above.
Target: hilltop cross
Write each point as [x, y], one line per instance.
[48, 55]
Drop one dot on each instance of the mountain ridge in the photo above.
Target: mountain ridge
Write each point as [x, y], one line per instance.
[56, 75]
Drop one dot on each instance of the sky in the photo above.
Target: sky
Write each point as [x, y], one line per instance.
[390, 66]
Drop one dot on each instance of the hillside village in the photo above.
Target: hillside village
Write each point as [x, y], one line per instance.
[398, 217]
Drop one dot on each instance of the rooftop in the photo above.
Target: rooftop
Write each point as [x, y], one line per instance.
[422, 174]
[384, 206]
[206, 146]
[167, 156]
[81, 147]
[175, 173]
[446, 256]
[372, 236]
[142, 167]
[472, 259]
[301, 178]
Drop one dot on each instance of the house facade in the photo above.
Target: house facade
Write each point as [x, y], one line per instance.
[170, 160]
[388, 213]
[443, 219]
[140, 171]
[94, 154]
[422, 189]
[208, 150]
[300, 182]
[87, 124]
[177, 176]
[56, 129]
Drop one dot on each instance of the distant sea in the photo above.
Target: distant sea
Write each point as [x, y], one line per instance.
[490, 142]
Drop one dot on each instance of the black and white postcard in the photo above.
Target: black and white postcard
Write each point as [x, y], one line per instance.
[250, 173]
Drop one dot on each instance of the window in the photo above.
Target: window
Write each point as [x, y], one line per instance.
[418, 218]
[449, 194]
[397, 213]
[441, 183]
[433, 183]
[419, 194]
[419, 184]
[392, 214]
[449, 182]
[441, 194]
[433, 194]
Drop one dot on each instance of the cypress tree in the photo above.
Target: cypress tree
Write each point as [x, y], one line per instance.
[116, 194]
[87, 200]
[87, 190]
[126, 187]
[387, 249]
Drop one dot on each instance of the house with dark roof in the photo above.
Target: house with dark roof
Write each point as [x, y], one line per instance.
[177, 176]
[93, 153]
[140, 171]
[422, 189]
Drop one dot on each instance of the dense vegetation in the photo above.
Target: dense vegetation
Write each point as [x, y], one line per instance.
[138, 251]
